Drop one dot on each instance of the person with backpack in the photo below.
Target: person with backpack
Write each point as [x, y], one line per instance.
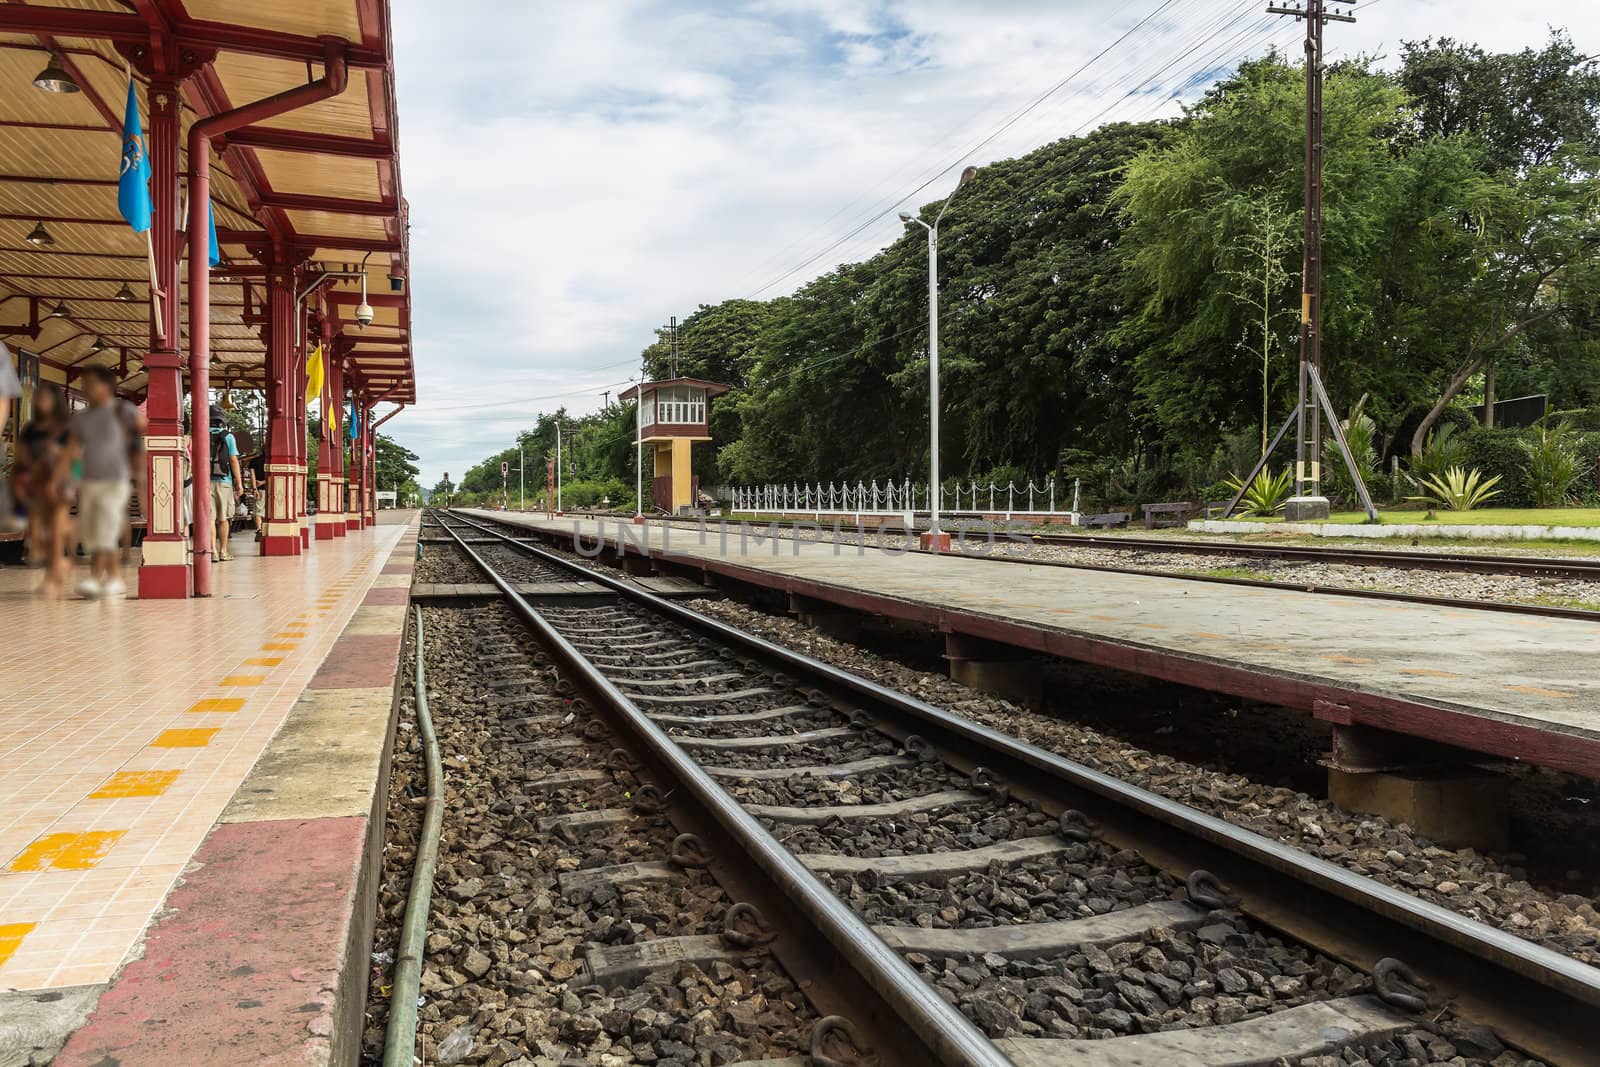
[225, 482]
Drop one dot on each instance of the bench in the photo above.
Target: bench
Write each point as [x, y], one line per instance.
[1180, 508]
[1109, 518]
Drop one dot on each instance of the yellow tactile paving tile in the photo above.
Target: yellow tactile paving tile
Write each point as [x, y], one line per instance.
[263, 661]
[106, 760]
[244, 681]
[65, 851]
[213, 705]
[1541, 691]
[11, 935]
[136, 784]
[183, 738]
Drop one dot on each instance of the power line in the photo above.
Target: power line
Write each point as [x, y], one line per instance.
[1013, 120]
[1230, 16]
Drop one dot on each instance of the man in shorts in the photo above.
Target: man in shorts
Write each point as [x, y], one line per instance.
[225, 481]
[102, 435]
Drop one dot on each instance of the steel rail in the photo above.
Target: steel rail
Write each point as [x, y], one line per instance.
[400, 1037]
[948, 1036]
[1469, 562]
[1539, 1000]
[1462, 603]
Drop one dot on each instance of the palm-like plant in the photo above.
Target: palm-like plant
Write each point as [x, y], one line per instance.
[1552, 463]
[1458, 490]
[1441, 450]
[1361, 434]
[1268, 494]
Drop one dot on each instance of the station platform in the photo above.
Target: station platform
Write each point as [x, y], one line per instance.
[1498, 683]
[191, 806]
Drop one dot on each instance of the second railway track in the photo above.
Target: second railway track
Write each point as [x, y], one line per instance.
[945, 863]
[1444, 560]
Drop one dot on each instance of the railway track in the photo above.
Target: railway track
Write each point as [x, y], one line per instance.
[1461, 562]
[972, 899]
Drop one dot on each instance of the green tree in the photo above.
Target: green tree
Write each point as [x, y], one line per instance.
[1525, 107]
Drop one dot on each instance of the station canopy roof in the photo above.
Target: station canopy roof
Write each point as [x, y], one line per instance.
[324, 178]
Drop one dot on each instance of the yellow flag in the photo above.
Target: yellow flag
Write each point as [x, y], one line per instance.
[314, 374]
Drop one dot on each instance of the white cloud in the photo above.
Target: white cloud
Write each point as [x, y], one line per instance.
[579, 172]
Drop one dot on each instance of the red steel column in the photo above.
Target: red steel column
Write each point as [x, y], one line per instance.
[280, 531]
[352, 516]
[372, 467]
[164, 562]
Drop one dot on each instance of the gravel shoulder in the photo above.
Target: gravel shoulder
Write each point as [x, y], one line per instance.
[1495, 892]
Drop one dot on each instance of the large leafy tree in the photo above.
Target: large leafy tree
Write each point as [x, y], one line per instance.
[1189, 210]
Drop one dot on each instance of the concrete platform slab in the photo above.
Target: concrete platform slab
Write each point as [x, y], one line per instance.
[1510, 686]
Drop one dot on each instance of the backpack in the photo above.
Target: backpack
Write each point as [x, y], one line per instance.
[221, 468]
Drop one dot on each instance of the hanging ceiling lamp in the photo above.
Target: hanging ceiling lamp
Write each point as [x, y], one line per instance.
[40, 237]
[124, 294]
[60, 311]
[97, 347]
[54, 77]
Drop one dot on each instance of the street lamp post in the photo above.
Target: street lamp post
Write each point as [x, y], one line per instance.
[935, 539]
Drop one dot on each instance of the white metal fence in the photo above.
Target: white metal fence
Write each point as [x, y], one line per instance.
[893, 497]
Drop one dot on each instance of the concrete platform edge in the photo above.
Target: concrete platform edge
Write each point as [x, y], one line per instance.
[1554, 745]
[261, 954]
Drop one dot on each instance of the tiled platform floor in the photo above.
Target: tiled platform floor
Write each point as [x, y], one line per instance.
[127, 726]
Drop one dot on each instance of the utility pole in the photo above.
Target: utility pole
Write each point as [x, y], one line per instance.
[673, 345]
[1309, 503]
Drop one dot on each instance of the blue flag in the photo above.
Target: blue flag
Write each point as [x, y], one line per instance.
[354, 422]
[133, 185]
[211, 222]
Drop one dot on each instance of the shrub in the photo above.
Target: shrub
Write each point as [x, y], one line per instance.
[1552, 463]
[1500, 454]
[1361, 434]
[1459, 490]
[1442, 449]
[1586, 447]
[1268, 494]
[589, 493]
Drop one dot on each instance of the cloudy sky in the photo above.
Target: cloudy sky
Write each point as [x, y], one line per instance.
[579, 172]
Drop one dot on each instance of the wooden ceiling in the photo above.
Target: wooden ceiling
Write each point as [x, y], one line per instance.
[324, 179]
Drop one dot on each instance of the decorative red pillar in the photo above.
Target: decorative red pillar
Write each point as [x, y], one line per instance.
[281, 529]
[164, 555]
[372, 466]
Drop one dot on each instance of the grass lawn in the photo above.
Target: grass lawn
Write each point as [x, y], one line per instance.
[1477, 517]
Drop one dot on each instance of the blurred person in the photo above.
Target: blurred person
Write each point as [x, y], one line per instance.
[225, 481]
[44, 484]
[136, 466]
[102, 441]
[10, 390]
[256, 487]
